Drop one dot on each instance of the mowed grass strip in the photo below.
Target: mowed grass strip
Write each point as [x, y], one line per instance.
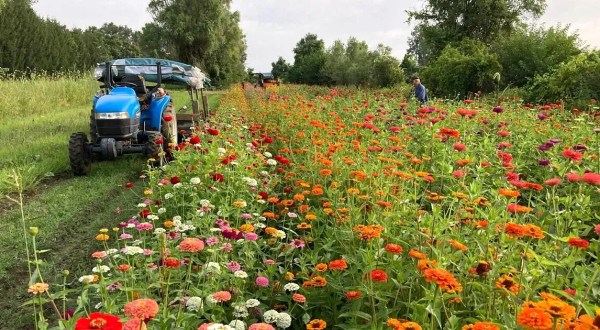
[69, 214]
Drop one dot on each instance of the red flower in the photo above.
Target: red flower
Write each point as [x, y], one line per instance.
[213, 131]
[175, 180]
[459, 147]
[144, 213]
[218, 177]
[267, 140]
[579, 242]
[195, 140]
[159, 141]
[591, 178]
[393, 248]
[99, 321]
[263, 194]
[128, 185]
[172, 263]
[353, 295]
[379, 275]
[572, 155]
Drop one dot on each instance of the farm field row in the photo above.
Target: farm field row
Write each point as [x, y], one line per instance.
[311, 208]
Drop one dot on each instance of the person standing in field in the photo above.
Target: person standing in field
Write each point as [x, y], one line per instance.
[420, 90]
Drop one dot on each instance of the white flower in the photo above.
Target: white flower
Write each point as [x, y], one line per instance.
[195, 180]
[153, 217]
[252, 303]
[168, 196]
[233, 163]
[270, 316]
[162, 210]
[280, 234]
[215, 230]
[111, 251]
[210, 300]
[194, 304]
[132, 250]
[100, 269]
[86, 279]
[261, 201]
[268, 154]
[264, 173]
[240, 311]
[237, 325]
[176, 219]
[142, 205]
[291, 287]
[250, 181]
[130, 225]
[261, 218]
[284, 320]
[271, 162]
[260, 225]
[205, 203]
[221, 150]
[177, 185]
[240, 274]
[159, 231]
[213, 267]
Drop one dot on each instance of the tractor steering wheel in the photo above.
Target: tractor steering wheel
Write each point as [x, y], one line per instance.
[127, 84]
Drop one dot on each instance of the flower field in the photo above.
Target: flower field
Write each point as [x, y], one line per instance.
[314, 208]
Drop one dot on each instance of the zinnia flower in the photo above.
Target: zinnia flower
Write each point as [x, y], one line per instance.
[379, 275]
[38, 288]
[99, 321]
[316, 324]
[579, 242]
[591, 178]
[143, 308]
[533, 318]
[134, 324]
[191, 244]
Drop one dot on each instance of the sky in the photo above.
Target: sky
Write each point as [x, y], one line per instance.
[273, 27]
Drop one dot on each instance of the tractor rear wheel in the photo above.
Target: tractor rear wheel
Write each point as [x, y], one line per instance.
[79, 155]
[154, 149]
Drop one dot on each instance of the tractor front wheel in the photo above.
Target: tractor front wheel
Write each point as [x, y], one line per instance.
[79, 155]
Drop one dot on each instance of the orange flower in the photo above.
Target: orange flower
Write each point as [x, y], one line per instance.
[143, 308]
[557, 308]
[393, 248]
[379, 275]
[191, 244]
[533, 318]
[304, 225]
[424, 264]
[509, 193]
[417, 254]
[299, 197]
[507, 282]
[353, 295]
[339, 264]
[247, 228]
[321, 267]
[325, 172]
[317, 191]
[516, 208]
[319, 281]
[458, 245]
[443, 278]
[316, 324]
[481, 326]
[450, 132]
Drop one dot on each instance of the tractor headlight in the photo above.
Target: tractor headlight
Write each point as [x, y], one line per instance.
[112, 115]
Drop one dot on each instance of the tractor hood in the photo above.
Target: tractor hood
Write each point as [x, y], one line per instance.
[120, 99]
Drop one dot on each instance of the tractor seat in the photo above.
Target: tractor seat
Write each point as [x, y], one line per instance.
[140, 89]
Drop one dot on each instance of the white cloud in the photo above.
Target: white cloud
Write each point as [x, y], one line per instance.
[273, 27]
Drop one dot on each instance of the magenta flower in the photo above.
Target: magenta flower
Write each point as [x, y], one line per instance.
[262, 281]
[234, 266]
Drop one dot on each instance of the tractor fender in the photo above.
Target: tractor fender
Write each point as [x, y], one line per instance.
[151, 117]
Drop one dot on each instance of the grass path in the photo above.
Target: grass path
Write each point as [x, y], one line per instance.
[69, 213]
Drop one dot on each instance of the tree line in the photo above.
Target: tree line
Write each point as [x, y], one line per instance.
[204, 33]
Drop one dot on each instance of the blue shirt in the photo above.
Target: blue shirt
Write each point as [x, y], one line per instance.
[421, 93]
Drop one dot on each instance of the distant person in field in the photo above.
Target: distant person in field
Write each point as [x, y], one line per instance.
[420, 90]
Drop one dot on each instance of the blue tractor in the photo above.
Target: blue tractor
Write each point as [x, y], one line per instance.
[129, 116]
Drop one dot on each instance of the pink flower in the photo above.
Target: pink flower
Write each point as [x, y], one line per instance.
[125, 236]
[134, 324]
[191, 244]
[204, 326]
[269, 262]
[234, 266]
[144, 226]
[459, 174]
[553, 182]
[597, 229]
[227, 247]
[251, 236]
[459, 147]
[212, 241]
[222, 296]
[262, 281]
[573, 177]
[143, 308]
[257, 326]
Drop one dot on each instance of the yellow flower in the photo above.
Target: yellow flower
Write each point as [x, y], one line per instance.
[38, 288]
[102, 237]
[104, 230]
[239, 204]
[148, 192]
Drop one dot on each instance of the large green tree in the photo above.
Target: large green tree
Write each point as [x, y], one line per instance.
[280, 68]
[205, 33]
[442, 22]
[528, 52]
[309, 59]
